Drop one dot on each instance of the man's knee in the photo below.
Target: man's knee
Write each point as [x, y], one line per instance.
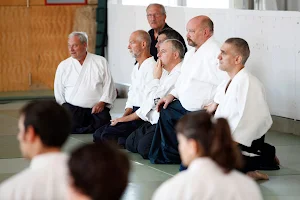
[98, 134]
[143, 151]
[130, 145]
[143, 147]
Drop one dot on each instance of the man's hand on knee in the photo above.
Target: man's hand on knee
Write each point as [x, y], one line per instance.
[114, 122]
[164, 102]
[99, 107]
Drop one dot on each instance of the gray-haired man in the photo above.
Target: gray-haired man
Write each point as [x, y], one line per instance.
[83, 84]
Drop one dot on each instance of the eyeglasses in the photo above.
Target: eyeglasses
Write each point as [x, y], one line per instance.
[155, 15]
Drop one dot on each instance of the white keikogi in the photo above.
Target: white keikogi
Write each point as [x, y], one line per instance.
[157, 88]
[46, 178]
[245, 107]
[205, 180]
[200, 76]
[140, 77]
[84, 85]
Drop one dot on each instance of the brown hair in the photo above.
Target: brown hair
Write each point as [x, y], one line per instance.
[214, 138]
[241, 47]
[50, 121]
[99, 171]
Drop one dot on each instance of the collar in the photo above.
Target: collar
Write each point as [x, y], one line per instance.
[43, 160]
[176, 68]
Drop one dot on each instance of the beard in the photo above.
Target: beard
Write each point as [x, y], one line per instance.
[134, 54]
[191, 43]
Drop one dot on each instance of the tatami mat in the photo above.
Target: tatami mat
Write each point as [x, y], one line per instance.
[145, 177]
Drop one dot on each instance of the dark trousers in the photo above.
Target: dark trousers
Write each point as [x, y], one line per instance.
[85, 122]
[164, 148]
[252, 163]
[140, 140]
[119, 132]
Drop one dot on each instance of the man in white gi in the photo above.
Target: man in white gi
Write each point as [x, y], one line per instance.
[44, 126]
[83, 84]
[194, 88]
[237, 99]
[165, 76]
[142, 74]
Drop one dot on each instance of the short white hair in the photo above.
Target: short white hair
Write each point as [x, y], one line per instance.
[83, 37]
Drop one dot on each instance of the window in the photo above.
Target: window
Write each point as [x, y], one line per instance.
[208, 3]
[147, 2]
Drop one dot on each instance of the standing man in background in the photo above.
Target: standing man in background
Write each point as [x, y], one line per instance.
[83, 84]
[156, 15]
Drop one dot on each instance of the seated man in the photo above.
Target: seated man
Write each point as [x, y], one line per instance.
[194, 89]
[169, 33]
[83, 84]
[165, 76]
[142, 74]
[44, 126]
[242, 100]
[97, 171]
[156, 16]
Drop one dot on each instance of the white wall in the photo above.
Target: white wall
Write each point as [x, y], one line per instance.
[273, 36]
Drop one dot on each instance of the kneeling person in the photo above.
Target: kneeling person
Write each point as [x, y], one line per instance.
[83, 84]
[142, 74]
[242, 100]
[165, 75]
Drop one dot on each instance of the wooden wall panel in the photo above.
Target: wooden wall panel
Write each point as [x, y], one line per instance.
[34, 41]
[49, 36]
[85, 20]
[14, 51]
[33, 2]
[21, 2]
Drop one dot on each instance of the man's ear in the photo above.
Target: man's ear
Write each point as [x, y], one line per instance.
[206, 32]
[238, 59]
[194, 147]
[30, 135]
[144, 44]
[176, 54]
[85, 45]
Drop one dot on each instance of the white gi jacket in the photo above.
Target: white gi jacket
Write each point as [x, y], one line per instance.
[140, 77]
[244, 106]
[84, 85]
[205, 180]
[46, 179]
[200, 76]
[157, 88]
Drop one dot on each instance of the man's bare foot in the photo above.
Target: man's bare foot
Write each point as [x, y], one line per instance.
[257, 175]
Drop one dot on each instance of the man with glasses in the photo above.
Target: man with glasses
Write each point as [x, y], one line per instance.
[156, 15]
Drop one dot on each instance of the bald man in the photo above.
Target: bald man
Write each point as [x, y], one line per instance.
[194, 89]
[165, 75]
[139, 47]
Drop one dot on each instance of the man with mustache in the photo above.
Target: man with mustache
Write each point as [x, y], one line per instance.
[194, 89]
[142, 74]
